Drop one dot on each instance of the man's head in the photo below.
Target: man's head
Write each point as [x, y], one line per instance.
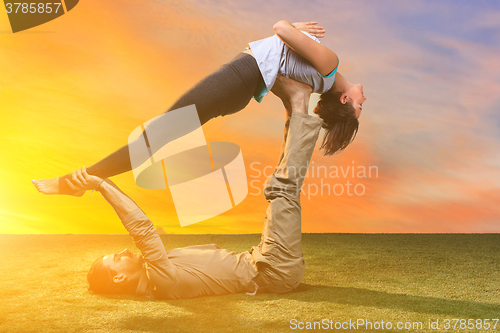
[117, 273]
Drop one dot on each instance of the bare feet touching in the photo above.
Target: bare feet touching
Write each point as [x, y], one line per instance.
[51, 186]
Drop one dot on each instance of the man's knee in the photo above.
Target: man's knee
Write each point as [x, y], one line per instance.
[280, 281]
[275, 189]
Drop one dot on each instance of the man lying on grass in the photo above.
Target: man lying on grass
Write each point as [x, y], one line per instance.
[275, 265]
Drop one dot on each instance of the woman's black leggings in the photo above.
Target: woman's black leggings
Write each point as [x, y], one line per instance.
[225, 91]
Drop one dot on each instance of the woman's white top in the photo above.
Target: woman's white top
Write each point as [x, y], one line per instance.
[274, 58]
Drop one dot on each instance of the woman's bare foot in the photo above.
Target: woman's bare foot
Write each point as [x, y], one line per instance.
[51, 186]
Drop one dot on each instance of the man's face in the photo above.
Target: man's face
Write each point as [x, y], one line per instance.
[124, 263]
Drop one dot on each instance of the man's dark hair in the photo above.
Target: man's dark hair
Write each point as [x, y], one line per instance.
[340, 122]
[101, 279]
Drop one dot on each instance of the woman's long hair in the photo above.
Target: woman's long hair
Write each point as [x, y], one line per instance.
[340, 122]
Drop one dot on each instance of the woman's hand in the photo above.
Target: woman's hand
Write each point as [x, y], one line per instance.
[81, 180]
[311, 28]
[320, 56]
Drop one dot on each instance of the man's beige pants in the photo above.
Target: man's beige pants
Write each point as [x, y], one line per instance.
[278, 258]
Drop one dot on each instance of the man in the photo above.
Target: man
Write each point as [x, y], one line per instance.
[275, 265]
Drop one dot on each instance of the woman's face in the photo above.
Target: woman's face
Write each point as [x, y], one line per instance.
[356, 95]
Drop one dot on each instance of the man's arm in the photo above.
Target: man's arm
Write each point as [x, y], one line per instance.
[121, 203]
[162, 272]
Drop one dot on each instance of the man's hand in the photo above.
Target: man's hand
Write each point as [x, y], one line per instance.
[82, 181]
[311, 28]
[294, 95]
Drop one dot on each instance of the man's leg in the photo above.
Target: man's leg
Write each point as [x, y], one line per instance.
[279, 255]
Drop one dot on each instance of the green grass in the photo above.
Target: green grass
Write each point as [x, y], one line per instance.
[389, 277]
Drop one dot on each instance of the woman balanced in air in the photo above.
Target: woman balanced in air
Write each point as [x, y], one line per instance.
[295, 52]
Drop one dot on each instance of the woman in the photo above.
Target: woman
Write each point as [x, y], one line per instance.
[294, 52]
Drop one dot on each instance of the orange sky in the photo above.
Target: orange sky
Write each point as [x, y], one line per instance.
[73, 89]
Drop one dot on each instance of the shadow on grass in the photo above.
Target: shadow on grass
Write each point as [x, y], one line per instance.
[384, 300]
[223, 308]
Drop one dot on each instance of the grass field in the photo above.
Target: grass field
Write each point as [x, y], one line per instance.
[390, 277]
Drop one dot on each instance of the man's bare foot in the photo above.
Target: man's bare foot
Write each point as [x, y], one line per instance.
[51, 186]
[294, 95]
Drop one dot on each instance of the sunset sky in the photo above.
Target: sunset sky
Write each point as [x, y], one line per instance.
[73, 89]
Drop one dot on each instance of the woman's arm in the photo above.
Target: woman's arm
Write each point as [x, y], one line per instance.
[321, 57]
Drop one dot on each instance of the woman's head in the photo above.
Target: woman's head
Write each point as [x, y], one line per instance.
[354, 95]
[340, 112]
